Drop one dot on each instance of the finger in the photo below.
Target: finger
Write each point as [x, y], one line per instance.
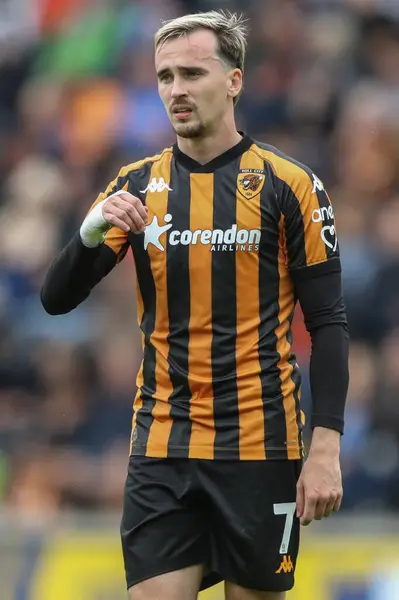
[300, 498]
[320, 509]
[112, 212]
[136, 203]
[329, 507]
[127, 209]
[333, 504]
[113, 220]
[125, 213]
[337, 504]
[309, 509]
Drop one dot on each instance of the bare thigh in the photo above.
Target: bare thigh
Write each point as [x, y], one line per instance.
[236, 592]
[183, 584]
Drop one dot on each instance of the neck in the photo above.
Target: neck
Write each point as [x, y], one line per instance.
[205, 149]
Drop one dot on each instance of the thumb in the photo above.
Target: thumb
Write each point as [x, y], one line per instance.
[300, 498]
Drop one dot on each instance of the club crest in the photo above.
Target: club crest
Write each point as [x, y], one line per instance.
[250, 182]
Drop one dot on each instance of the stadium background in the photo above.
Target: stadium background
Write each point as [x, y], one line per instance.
[78, 100]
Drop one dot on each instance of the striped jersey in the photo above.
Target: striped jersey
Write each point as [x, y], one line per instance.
[216, 270]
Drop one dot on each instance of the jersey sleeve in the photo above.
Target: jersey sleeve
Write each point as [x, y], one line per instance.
[309, 228]
[115, 238]
[78, 269]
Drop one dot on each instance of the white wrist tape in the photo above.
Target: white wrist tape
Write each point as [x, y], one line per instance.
[94, 227]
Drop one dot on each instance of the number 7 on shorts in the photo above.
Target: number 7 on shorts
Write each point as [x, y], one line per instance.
[287, 509]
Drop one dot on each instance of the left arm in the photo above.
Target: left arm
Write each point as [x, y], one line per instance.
[313, 261]
[325, 318]
[320, 486]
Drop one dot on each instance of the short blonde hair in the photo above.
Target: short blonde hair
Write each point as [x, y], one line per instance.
[230, 30]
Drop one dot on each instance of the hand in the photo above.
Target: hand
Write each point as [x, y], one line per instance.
[122, 210]
[319, 487]
[126, 211]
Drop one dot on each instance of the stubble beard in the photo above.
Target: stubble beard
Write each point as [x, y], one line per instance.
[189, 130]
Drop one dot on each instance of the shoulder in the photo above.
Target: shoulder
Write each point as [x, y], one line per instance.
[136, 168]
[285, 168]
[131, 176]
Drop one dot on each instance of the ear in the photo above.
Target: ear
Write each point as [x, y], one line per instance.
[234, 83]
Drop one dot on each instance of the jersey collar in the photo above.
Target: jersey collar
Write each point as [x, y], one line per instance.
[219, 161]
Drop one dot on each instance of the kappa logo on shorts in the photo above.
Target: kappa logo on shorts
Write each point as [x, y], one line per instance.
[286, 565]
[250, 182]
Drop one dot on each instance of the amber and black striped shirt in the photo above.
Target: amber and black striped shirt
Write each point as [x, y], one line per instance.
[216, 269]
[228, 246]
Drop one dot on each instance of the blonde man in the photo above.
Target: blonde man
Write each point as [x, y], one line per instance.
[227, 233]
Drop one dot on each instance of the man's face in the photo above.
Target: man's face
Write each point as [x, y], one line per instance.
[194, 83]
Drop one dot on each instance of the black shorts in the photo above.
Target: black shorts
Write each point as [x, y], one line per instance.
[238, 518]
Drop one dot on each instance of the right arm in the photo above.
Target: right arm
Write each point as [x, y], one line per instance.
[73, 274]
[95, 249]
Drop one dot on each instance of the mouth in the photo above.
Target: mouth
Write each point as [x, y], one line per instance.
[181, 112]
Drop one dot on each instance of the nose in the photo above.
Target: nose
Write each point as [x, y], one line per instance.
[178, 88]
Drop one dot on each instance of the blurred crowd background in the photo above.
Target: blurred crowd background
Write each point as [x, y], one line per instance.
[78, 100]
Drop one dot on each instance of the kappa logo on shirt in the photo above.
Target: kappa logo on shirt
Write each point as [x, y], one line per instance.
[157, 185]
[317, 184]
